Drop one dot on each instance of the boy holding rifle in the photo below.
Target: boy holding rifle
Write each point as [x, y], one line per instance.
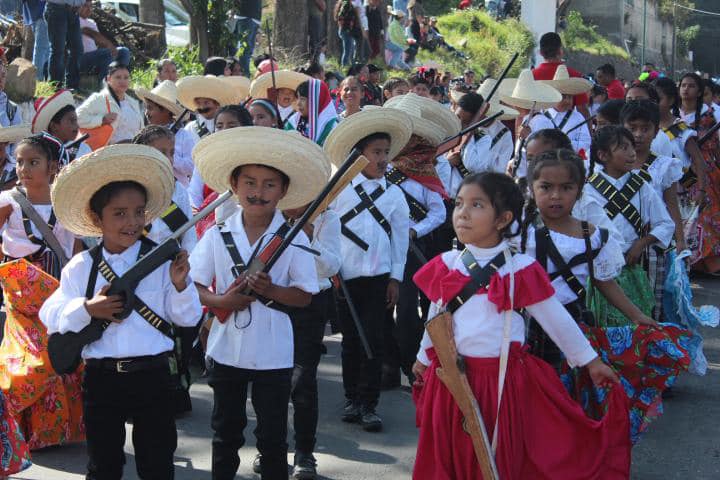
[268, 170]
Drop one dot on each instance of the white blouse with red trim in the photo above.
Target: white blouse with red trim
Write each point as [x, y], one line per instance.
[478, 324]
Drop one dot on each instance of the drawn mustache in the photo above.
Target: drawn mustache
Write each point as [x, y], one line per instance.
[203, 110]
[257, 201]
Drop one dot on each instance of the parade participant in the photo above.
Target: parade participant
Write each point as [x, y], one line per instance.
[661, 145]
[614, 148]
[9, 136]
[374, 244]
[13, 449]
[528, 407]
[56, 115]
[32, 232]
[162, 108]
[113, 106]
[564, 116]
[203, 95]
[315, 115]
[700, 117]
[642, 119]
[281, 92]
[114, 193]
[579, 256]
[419, 85]
[264, 113]
[351, 91]
[394, 87]
[608, 114]
[242, 349]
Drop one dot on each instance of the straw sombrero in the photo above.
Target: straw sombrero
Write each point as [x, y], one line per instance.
[81, 179]
[436, 113]
[283, 79]
[567, 85]
[528, 92]
[15, 133]
[239, 86]
[217, 155]
[165, 95]
[47, 107]
[208, 86]
[495, 107]
[354, 128]
[421, 127]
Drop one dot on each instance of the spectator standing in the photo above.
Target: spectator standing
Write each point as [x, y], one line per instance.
[376, 30]
[316, 27]
[348, 19]
[33, 16]
[396, 41]
[414, 33]
[63, 24]
[98, 50]
[248, 17]
[605, 76]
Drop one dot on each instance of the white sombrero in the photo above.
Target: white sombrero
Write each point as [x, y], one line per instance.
[81, 179]
[366, 122]
[495, 107]
[47, 107]
[435, 122]
[165, 95]
[208, 86]
[283, 79]
[303, 161]
[567, 85]
[15, 133]
[528, 92]
[240, 86]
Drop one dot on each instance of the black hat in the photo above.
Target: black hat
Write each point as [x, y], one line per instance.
[373, 68]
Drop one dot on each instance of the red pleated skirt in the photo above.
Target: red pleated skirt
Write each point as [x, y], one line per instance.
[543, 433]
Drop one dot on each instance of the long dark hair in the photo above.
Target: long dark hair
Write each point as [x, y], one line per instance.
[605, 139]
[112, 68]
[504, 195]
[701, 92]
[669, 89]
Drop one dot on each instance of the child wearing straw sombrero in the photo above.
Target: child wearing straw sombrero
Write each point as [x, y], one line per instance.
[268, 170]
[57, 116]
[204, 95]
[113, 193]
[375, 232]
[8, 137]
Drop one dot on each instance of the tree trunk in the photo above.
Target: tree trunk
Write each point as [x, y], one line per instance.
[198, 27]
[333, 42]
[153, 11]
[290, 31]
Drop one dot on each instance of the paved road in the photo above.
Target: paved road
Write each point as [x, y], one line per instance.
[683, 444]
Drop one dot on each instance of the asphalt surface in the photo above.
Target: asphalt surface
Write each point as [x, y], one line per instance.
[683, 444]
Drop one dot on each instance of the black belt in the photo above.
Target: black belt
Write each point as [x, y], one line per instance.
[131, 364]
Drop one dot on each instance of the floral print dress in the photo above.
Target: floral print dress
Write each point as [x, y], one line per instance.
[14, 452]
[46, 406]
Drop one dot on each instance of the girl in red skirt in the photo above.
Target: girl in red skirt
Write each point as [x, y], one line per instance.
[541, 432]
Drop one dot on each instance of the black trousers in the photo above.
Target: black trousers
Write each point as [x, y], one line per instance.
[404, 330]
[308, 332]
[109, 400]
[270, 397]
[361, 376]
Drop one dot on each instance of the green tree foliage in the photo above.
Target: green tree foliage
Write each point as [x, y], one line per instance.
[579, 36]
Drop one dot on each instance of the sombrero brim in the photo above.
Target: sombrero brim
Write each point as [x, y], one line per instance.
[283, 79]
[240, 87]
[81, 179]
[49, 108]
[369, 120]
[15, 133]
[509, 113]
[538, 95]
[421, 127]
[303, 161]
[197, 86]
[436, 122]
[438, 114]
[166, 103]
[570, 86]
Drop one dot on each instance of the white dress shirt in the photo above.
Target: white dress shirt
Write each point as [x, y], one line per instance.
[678, 145]
[65, 310]
[129, 121]
[536, 123]
[384, 254]
[661, 145]
[689, 117]
[160, 231]
[650, 206]
[580, 137]
[480, 155]
[183, 165]
[195, 189]
[266, 342]
[478, 326]
[192, 127]
[433, 203]
[326, 240]
[449, 176]
[664, 172]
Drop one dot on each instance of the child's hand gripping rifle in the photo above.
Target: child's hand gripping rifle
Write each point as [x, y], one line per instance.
[64, 349]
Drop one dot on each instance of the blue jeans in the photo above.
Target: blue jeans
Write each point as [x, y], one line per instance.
[41, 50]
[64, 33]
[98, 60]
[247, 29]
[348, 46]
[397, 56]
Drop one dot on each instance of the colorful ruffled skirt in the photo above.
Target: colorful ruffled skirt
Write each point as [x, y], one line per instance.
[634, 282]
[14, 452]
[46, 406]
[540, 427]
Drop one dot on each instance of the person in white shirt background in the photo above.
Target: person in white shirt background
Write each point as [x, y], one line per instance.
[98, 50]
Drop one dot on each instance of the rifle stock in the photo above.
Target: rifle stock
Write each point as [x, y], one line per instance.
[708, 135]
[178, 122]
[452, 373]
[76, 142]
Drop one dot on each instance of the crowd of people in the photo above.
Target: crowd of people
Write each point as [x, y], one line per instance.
[553, 236]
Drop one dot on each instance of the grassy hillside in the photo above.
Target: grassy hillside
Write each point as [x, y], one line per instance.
[578, 36]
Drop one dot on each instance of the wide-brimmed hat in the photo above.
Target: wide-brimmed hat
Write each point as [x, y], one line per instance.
[208, 86]
[164, 94]
[15, 133]
[495, 107]
[368, 121]
[567, 85]
[283, 79]
[82, 178]
[434, 123]
[528, 92]
[303, 161]
[240, 86]
[47, 107]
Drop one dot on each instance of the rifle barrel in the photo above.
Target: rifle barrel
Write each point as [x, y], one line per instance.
[501, 77]
[200, 215]
[76, 142]
[709, 134]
